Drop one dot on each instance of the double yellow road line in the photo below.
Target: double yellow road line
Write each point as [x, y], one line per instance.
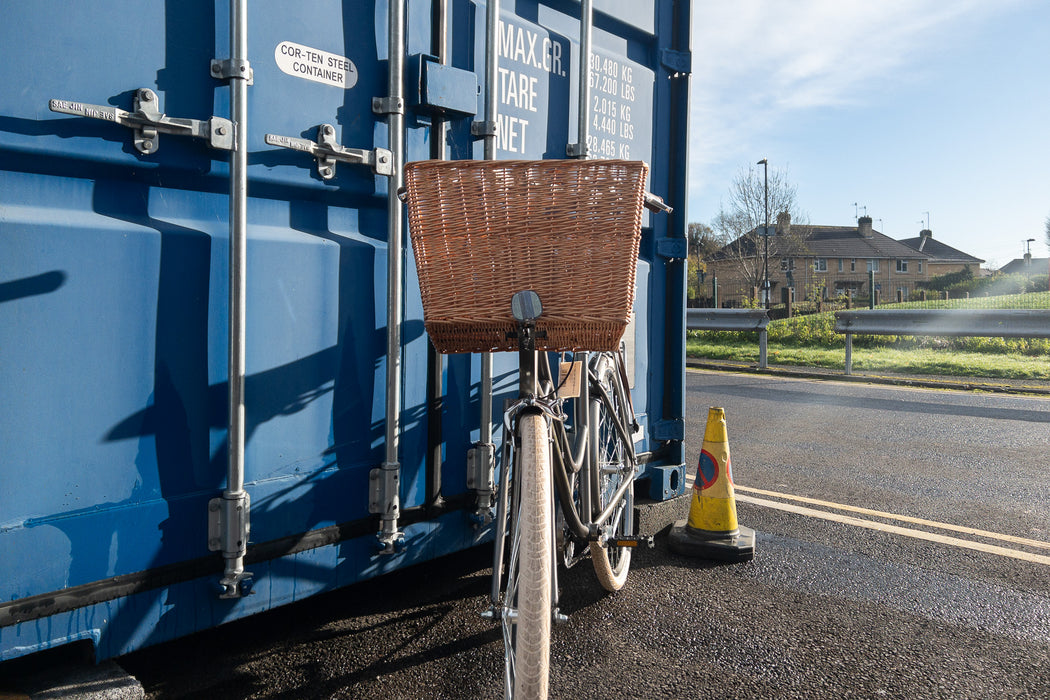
[789, 503]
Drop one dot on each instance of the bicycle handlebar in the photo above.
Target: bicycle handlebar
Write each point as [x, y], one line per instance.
[656, 204]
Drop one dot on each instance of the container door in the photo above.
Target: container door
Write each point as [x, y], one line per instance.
[114, 296]
[637, 111]
[113, 266]
[317, 265]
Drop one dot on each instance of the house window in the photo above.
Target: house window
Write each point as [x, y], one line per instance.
[902, 266]
[787, 264]
[853, 265]
[840, 264]
[820, 265]
[920, 267]
[903, 292]
[873, 265]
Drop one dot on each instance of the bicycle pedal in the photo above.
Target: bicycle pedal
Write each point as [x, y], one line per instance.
[632, 542]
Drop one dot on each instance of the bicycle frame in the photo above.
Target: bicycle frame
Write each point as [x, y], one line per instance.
[575, 457]
[592, 475]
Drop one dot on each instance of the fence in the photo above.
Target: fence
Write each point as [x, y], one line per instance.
[1015, 291]
[732, 320]
[1006, 323]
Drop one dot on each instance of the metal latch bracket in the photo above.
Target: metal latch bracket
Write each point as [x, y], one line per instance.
[576, 150]
[147, 121]
[229, 527]
[483, 129]
[481, 478]
[382, 491]
[229, 524]
[328, 152]
[384, 500]
[232, 69]
[388, 105]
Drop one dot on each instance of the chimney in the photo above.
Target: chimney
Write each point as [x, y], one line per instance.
[864, 226]
[784, 224]
[924, 235]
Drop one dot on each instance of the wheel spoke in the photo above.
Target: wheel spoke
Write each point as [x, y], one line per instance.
[615, 464]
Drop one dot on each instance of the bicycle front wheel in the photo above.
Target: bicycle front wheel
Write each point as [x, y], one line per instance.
[527, 620]
[614, 462]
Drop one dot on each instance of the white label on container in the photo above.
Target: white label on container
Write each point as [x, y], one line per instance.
[316, 65]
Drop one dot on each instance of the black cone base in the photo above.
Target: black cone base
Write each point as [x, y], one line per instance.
[733, 548]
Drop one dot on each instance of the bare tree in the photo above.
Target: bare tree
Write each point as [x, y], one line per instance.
[1048, 232]
[702, 243]
[738, 225]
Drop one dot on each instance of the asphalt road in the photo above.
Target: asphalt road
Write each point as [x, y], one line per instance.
[884, 602]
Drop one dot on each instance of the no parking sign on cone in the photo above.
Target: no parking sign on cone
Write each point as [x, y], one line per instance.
[712, 530]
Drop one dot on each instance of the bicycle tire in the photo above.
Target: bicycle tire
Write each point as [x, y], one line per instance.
[615, 462]
[530, 589]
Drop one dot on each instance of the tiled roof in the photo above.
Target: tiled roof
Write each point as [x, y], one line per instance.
[940, 252]
[832, 242]
[847, 242]
[1039, 266]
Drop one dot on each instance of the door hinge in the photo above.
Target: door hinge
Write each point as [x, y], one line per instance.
[672, 248]
[680, 62]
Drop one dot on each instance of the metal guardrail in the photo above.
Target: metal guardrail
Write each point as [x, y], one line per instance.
[995, 323]
[732, 320]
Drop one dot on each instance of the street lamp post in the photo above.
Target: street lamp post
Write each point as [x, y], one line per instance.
[765, 233]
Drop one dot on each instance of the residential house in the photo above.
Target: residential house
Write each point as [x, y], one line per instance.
[826, 261]
[943, 258]
[1026, 266]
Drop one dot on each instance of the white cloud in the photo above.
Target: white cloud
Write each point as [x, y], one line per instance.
[756, 57]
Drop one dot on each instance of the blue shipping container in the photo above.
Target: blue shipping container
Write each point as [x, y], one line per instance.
[116, 134]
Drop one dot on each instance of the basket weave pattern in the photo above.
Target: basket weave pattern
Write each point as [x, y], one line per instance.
[566, 229]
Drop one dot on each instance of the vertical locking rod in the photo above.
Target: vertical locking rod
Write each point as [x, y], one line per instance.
[435, 360]
[579, 150]
[491, 110]
[481, 459]
[391, 539]
[236, 581]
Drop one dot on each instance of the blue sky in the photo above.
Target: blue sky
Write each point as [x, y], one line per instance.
[903, 106]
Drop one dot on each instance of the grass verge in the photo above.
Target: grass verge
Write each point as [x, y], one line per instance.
[953, 363]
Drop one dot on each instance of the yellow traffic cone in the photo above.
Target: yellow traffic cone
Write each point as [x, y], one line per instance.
[712, 530]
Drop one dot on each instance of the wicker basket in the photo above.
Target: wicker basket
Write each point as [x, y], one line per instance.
[566, 229]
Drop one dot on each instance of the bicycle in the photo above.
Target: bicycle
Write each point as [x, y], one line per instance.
[566, 468]
[591, 474]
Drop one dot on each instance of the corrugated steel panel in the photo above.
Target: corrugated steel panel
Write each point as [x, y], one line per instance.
[113, 295]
